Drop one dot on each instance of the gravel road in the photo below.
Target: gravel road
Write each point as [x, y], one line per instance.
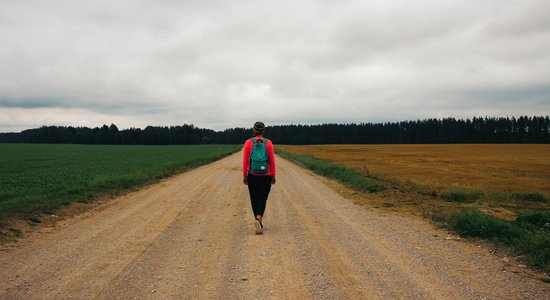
[191, 236]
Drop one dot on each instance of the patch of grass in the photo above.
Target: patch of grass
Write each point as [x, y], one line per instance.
[496, 195]
[538, 220]
[38, 178]
[462, 195]
[473, 223]
[534, 245]
[345, 175]
[524, 237]
[533, 197]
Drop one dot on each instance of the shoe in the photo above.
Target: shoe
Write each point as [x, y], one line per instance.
[259, 227]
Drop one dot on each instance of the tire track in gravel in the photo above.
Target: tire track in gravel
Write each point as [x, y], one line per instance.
[191, 237]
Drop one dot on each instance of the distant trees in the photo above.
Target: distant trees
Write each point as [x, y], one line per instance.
[151, 135]
[437, 131]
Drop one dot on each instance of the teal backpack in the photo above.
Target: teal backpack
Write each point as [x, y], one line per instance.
[258, 157]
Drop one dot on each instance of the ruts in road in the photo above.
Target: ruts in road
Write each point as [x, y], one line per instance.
[191, 237]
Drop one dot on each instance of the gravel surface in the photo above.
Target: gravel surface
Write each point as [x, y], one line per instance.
[191, 236]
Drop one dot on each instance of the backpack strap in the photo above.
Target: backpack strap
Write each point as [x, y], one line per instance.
[254, 142]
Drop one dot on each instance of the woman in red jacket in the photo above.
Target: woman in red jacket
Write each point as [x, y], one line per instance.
[259, 182]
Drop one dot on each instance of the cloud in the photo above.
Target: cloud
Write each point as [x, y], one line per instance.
[221, 64]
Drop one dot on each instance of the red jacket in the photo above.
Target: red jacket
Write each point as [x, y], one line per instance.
[247, 149]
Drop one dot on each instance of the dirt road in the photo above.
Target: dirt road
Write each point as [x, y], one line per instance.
[191, 236]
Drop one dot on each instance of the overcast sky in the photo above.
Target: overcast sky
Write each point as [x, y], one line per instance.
[223, 64]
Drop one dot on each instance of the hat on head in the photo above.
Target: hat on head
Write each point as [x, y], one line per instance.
[259, 126]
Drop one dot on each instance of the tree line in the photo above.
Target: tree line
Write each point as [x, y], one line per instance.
[428, 131]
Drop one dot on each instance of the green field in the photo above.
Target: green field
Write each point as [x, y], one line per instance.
[36, 178]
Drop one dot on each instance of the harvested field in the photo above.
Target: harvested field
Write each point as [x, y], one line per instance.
[484, 176]
[500, 168]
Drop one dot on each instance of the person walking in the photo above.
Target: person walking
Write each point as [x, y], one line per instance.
[258, 172]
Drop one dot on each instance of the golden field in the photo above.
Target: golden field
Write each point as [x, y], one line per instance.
[454, 186]
[487, 167]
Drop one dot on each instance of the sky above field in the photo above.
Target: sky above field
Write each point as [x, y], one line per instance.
[222, 64]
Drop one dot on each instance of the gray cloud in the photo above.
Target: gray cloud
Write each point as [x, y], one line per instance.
[222, 64]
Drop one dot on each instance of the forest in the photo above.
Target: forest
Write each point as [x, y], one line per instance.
[526, 130]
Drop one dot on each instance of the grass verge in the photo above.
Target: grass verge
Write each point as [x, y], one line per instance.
[527, 237]
[345, 175]
[462, 195]
[38, 178]
[533, 197]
